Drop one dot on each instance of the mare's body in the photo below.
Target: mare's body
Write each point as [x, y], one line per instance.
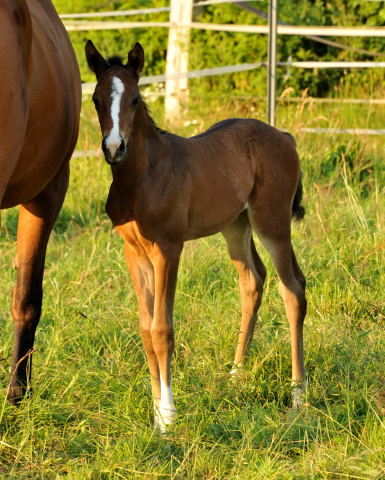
[40, 98]
[239, 174]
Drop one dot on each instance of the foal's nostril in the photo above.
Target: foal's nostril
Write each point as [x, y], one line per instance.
[114, 152]
[122, 146]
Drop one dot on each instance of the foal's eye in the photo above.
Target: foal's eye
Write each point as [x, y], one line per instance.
[135, 101]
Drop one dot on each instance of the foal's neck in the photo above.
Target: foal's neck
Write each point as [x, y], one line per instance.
[144, 138]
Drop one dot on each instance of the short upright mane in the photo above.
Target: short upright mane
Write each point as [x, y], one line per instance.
[146, 108]
[115, 60]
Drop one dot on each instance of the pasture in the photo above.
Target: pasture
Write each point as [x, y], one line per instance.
[89, 415]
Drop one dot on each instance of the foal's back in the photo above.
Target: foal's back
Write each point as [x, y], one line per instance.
[229, 166]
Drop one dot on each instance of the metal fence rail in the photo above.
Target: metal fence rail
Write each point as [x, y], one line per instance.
[341, 131]
[84, 25]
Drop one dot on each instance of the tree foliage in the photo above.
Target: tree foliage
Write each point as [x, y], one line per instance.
[210, 49]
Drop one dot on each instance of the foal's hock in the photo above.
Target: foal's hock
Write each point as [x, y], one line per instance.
[237, 175]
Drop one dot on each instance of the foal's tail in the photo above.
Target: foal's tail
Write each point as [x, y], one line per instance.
[298, 209]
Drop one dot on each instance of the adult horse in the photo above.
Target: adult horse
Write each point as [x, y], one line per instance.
[40, 99]
[168, 189]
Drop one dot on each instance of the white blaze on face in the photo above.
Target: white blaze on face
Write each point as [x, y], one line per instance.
[114, 139]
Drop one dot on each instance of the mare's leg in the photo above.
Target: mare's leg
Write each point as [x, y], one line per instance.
[36, 220]
[142, 275]
[273, 226]
[252, 274]
[165, 259]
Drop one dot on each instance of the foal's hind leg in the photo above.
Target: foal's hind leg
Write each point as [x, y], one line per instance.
[273, 228]
[36, 219]
[252, 274]
[298, 387]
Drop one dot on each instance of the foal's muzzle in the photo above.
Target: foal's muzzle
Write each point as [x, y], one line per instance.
[114, 154]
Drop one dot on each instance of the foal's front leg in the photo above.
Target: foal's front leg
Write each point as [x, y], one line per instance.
[142, 276]
[165, 259]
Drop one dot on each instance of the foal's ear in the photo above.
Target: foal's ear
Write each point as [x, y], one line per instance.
[136, 60]
[95, 60]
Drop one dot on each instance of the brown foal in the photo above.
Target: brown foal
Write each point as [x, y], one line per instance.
[40, 98]
[238, 175]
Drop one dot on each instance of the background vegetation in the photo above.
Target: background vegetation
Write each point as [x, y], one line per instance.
[90, 415]
[210, 49]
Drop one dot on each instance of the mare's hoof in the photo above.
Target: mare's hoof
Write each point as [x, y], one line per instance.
[15, 395]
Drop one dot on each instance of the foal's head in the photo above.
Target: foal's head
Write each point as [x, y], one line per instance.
[116, 98]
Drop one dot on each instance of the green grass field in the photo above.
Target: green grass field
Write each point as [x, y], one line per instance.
[90, 415]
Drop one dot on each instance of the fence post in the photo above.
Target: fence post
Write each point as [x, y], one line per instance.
[272, 61]
[177, 58]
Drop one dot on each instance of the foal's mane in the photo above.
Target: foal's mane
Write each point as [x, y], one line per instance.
[147, 110]
[116, 61]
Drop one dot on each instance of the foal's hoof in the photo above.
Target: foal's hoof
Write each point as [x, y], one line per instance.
[298, 392]
[164, 417]
[236, 370]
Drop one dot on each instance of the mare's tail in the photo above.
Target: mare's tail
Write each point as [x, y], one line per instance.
[298, 209]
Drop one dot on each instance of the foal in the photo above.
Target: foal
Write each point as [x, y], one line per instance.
[168, 189]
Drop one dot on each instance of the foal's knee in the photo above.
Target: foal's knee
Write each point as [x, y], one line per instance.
[162, 336]
[145, 329]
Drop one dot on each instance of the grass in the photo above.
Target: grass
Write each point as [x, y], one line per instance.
[89, 417]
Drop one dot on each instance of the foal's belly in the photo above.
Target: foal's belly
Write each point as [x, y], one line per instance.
[217, 202]
[214, 216]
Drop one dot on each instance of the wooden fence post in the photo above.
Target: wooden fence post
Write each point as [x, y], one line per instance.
[177, 58]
